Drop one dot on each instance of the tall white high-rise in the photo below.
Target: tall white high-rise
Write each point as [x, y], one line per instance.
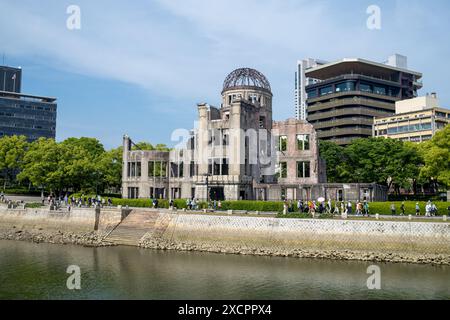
[301, 81]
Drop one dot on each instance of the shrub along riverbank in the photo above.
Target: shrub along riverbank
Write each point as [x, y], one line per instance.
[383, 208]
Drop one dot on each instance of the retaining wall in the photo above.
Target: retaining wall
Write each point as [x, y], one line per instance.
[257, 233]
[75, 220]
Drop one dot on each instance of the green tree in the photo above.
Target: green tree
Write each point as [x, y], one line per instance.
[436, 155]
[12, 152]
[110, 165]
[335, 158]
[41, 165]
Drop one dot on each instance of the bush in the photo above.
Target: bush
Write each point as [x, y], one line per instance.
[22, 191]
[384, 208]
[33, 205]
[263, 206]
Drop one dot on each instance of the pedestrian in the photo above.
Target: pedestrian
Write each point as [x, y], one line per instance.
[219, 205]
[300, 206]
[329, 206]
[285, 207]
[402, 209]
[393, 209]
[366, 208]
[336, 208]
[171, 204]
[349, 208]
[428, 209]
[433, 210]
[417, 209]
[358, 208]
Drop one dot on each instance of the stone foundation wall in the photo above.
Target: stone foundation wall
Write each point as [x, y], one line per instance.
[286, 235]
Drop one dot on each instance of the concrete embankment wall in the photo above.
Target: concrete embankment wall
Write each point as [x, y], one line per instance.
[257, 233]
[76, 220]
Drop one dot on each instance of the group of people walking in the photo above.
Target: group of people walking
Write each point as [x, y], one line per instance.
[339, 208]
[82, 201]
[430, 209]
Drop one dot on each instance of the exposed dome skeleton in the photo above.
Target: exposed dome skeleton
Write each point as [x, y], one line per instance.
[246, 77]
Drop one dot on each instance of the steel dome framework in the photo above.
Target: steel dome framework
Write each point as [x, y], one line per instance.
[246, 77]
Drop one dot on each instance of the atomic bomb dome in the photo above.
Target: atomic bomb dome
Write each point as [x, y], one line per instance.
[246, 78]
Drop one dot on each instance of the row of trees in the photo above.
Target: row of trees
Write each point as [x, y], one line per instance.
[397, 164]
[75, 164]
[83, 164]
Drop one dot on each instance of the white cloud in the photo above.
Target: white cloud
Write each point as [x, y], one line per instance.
[184, 48]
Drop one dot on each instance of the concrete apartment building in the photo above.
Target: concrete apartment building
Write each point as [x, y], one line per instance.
[350, 93]
[415, 120]
[23, 114]
[237, 152]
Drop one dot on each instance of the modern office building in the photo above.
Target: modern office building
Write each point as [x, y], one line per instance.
[350, 93]
[415, 120]
[301, 81]
[24, 114]
[10, 79]
[238, 152]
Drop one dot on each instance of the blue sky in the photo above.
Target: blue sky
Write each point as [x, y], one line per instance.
[140, 67]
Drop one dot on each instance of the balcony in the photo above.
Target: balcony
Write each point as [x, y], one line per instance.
[344, 131]
[348, 112]
[343, 122]
[349, 101]
[353, 93]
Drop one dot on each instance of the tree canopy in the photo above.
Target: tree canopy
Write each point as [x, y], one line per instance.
[384, 161]
[436, 155]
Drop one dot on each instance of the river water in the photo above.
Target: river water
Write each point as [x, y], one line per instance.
[38, 271]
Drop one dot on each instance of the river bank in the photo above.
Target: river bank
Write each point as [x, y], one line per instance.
[378, 241]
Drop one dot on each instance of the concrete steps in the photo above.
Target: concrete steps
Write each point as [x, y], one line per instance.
[131, 230]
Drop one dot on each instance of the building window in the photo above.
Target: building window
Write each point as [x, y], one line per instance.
[161, 169]
[365, 87]
[312, 94]
[262, 122]
[216, 167]
[225, 167]
[283, 170]
[326, 90]
[225, 137]
[282, 143]
[151, 169]
[133, 193]
[379, 90]
[303, 142]
[303, 169]
[134, 169]
[345, 86]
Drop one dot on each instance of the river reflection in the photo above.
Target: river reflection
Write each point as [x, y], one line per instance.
[38, 271]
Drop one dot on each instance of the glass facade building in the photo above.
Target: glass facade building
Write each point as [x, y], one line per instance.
[31, 116]
[22, 114]
[349, 94]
